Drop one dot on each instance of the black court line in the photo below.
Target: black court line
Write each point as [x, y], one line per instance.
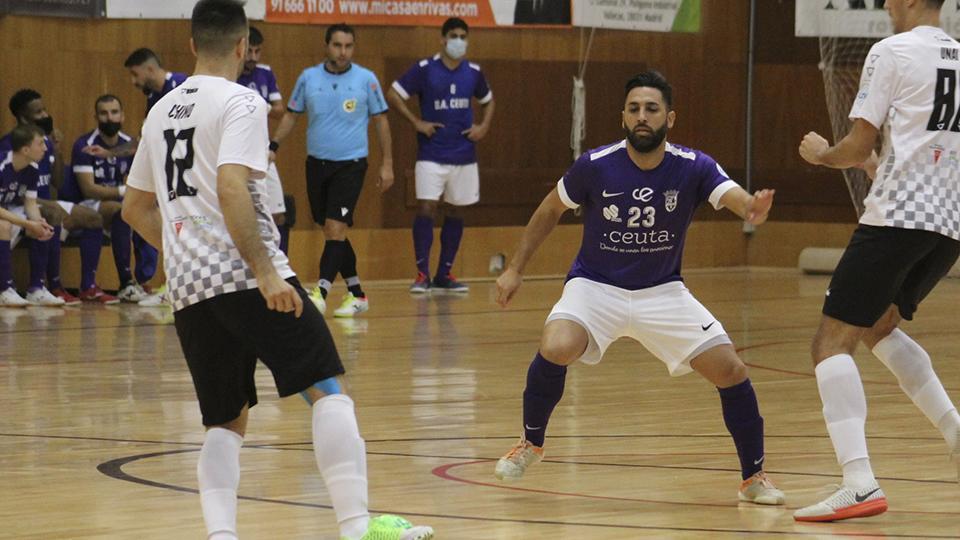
[114, 469]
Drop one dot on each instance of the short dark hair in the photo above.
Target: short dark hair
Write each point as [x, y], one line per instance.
[256, 38]
[452, 24]
[106, 98]
[140, 57]
[936, 4]
[23, 135]
[651, 79]
[216, 25]
[20, 100]
[339, 27]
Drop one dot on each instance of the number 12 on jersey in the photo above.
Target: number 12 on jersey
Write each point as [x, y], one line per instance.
[175, 167]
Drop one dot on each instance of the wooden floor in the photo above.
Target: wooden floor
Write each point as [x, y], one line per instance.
[100, 431]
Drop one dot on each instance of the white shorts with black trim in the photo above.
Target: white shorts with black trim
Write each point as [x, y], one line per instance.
[275, 202]
[16, 231]
[458, 184]
[667, 320]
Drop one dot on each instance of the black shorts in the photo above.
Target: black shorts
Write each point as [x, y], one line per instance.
[223, 337]
[887, 265]
[334, 188]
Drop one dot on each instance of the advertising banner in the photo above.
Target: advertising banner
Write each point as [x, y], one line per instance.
[87, 9]
[858, 18]
[642, 15]
[168, 9]
[477, 13]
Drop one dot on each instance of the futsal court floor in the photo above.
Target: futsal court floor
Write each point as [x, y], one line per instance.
[100, 431]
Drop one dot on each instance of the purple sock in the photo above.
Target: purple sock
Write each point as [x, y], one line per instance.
[422, 240]
[146, 256]
[6, 266]
[450, 235]
[284, 239]
[120, 243]
[741, 414]
[39, 252]
[545, 381]
[91, 241]
[53, 260]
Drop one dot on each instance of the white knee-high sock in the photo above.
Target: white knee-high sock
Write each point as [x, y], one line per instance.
[845, 411]
[342, 459]
[218, 474]
[911, 364]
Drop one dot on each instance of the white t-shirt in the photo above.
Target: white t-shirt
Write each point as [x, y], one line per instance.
[909, 88]
[202, 124]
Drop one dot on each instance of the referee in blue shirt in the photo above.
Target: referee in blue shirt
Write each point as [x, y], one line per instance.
[339, 98]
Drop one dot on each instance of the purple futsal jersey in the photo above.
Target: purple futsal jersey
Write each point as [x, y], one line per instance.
[16, 185]
[172, 81]
[445, 98]
[109, 172]
[44, 166]
[635, 221]
[262, 81]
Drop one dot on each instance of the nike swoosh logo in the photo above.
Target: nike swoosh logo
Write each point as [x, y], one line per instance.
[532, 428]
[759, 461]
[706, 327]
[861, 498]
[605, 194]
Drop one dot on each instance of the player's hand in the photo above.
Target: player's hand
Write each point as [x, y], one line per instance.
[271, 155]
[280, 295]
[386, 177]
[39, 230]
[428, 128]
[759, 206]
[56, 136]
[812, 147]
[97, 151]
[507, 285]
[475, 132]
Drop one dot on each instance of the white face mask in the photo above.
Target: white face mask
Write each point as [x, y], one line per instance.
[456, 48]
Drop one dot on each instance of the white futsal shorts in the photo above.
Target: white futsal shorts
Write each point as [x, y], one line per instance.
[667, 320]
[275, 203]
[458, 184]
[16, 231]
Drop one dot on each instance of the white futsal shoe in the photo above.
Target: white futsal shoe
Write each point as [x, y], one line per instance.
[759, 489]
[514, 464]
[11, 298]
[42, 297]
[846, 503]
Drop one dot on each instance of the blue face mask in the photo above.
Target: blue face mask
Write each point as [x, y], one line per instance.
[456, 48]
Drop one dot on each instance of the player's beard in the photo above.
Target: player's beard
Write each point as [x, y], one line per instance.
[248, 68]
[645, 143]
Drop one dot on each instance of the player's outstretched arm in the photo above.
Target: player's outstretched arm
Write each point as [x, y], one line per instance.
[543, 221]
[140, 210]
[241, 222]
[852, 151]
[753, 209]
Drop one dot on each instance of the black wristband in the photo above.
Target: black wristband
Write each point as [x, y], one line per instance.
[274, 146]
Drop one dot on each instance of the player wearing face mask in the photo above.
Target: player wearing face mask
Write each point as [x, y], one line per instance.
[447, 157]
[99, 183]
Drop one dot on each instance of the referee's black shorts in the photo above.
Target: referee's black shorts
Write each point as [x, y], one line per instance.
[223, 337]
[887, 265]
[333, 188]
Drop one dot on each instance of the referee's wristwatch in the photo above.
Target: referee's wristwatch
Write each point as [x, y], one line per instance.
[274, 146]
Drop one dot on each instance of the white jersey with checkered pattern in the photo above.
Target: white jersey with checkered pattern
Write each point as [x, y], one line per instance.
[204, 123]
[909, 89]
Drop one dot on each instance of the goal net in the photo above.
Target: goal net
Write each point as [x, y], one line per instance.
[841, 60]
